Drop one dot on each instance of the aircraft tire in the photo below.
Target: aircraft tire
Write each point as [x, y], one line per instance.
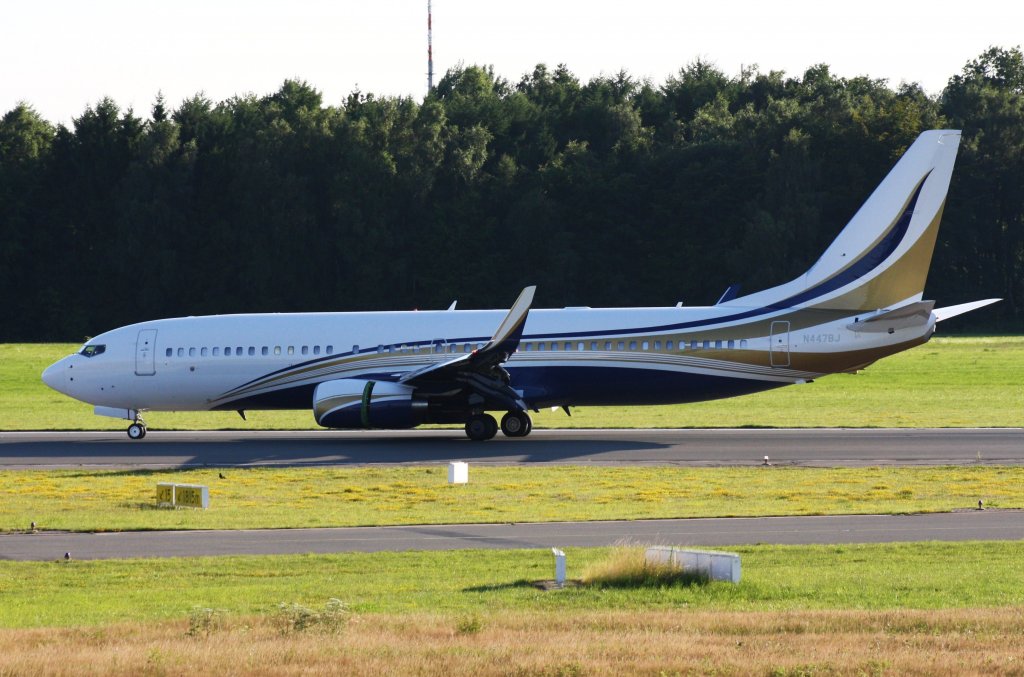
[481, 427]
[516, 424]
[136, 431]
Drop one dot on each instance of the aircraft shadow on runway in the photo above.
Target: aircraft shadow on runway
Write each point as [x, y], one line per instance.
[304, 450]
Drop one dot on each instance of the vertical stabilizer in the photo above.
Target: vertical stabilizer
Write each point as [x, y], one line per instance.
[881, 258]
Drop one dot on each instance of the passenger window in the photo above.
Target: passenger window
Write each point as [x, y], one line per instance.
[252, 350]
[593, 345]
[170, 351]
[645, 345]
[581, 346]
[355, 350]
[330, 350]
[632, 345]
[607, 345]
[622, 345]
[706, 345]
[238, 351]
[316, 350]
[216, 351]
[277, 350]
[181, 352]
[265, 350]
[554, 345]
[466, 348]
[479, 346]
[191, 352]
[305, 350]
[743, 343]
[203, 352]
[668, 345]
[291, 350]
[380, 349]
[732, 344]
[527, 347]
[694, 345]
[540, 345]
[718, 344]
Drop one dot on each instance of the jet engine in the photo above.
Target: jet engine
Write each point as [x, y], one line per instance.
[354, 403]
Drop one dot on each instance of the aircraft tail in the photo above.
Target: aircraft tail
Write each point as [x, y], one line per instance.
[881, 258]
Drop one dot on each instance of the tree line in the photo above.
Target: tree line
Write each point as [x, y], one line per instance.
[613, 191]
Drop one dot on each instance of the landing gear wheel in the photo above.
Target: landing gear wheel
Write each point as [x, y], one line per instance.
[481, 427]
[516, 424]
[136, 431]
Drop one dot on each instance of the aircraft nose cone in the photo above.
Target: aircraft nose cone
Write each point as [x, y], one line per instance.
[55, 376]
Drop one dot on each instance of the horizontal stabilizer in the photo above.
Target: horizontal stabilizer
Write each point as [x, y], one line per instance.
[911, 315]
[952, 311]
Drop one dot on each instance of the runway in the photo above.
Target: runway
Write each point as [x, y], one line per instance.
[960, 526]
[689, 447]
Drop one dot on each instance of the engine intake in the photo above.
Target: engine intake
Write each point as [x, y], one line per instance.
[353, 403]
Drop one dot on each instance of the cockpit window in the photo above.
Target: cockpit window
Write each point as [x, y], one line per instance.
[92, 350]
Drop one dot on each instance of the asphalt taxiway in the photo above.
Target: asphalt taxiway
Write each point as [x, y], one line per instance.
[958, 526]
[692, 447]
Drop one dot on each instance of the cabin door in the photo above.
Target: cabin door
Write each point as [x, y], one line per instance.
[780, 344]
[145, 353]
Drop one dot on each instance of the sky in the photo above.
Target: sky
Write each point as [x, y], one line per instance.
[63, 55]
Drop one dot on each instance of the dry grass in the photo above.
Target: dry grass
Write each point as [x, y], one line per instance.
[627, 566]
[961, 642]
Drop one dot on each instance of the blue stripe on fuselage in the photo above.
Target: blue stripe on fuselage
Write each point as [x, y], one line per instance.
[577, 386]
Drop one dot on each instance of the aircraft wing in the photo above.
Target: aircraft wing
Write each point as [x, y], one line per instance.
[481, 370]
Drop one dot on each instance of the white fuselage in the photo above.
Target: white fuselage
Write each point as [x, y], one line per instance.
[202, 363]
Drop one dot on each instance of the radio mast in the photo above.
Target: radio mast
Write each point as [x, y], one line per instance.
[430, 53]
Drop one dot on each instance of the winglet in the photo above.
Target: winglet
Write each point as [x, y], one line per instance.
[510, 331]
[497, 350]
[952, 311]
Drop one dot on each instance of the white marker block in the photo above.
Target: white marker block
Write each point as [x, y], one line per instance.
[717, 566]
[559, 566]
[458, 472]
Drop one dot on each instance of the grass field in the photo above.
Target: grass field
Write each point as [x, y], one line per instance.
[253, 498]
[921, 608]
[539, 644]
[493, 582]
[536, 644]
[949, 382]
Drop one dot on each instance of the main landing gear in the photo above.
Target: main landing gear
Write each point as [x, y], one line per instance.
[137, 430]
[482, 427]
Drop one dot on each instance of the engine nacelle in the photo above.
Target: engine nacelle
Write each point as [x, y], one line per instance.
[353, 403]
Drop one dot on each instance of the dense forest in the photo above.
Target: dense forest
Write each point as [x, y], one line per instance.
[610, 192]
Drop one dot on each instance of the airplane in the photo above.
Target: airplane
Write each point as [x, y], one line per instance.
[862, 300]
